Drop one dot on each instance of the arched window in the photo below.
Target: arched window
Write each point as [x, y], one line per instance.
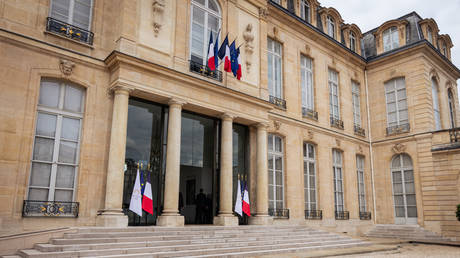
[437, 116]
[402, 175]
[352, 41]
[330, 26]
[450, 97]
[305, 10]
[275, 172]
[53, 174]
[206, 18]
[309, 175]
[430, 35]
[444, 49]
[390, 39]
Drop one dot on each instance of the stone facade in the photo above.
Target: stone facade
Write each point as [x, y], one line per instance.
[142, 49]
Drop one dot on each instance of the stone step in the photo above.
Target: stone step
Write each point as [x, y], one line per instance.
[407, 232]
[177, 251]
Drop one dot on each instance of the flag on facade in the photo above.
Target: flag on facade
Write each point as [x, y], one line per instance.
[147, 200]
[246, 205]
[211, 59]
[216, 51]
[142, 182]
[239, 72]
[136, 197]
[233, 59]
[224, 54]
[238, 204]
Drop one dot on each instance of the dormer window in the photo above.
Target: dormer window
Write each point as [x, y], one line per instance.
[305, 10]
[430, 35]
[352, 41]
[330, 26]
[444, 49]
[390, 39]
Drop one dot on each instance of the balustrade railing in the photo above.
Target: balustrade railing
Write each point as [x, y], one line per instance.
[69, 31]
[277, 101]
[366, 215]
[306, 112]
[205, 71]
[279, 213]
[337, 123]
[397, 129]
[359, 131]
[33, 208]
[314, 214]
[342, 215]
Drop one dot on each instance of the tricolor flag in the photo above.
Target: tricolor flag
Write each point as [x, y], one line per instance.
[233, 59]
[211, 58]
[238, 72]
[147, 203]
[224, 54]
[238, 204]
[216, 51]
[246, 205]
[136, 198]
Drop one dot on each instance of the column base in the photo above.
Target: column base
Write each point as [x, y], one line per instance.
[228, 220]
[170, 221]
[112, 219]
[261, 220]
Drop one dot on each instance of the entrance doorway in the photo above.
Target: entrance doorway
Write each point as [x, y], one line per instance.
[402, 175]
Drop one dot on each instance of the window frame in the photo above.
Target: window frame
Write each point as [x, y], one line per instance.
[71, 13]
[275, 154]
[330, 24]
[308, 91]
[352, 39]
[398, 110]
[429, 34]
[356, 103]
[60, 114]
[307, 188]
[336, 167]
[305, 4]
[451, 103]
[435, 102]
[331, 84]
[392, 32]
[275, 90]
[361, 181]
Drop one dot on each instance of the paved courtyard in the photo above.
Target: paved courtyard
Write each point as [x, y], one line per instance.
[409, 250]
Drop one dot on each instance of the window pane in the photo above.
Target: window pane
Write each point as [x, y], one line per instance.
[73, 98]
[43, 149]
[63, 195]
[212, 5]
[399, 200]
[46, 125]
[278, 163]
[60, 9]
[400, 212]
[270, 142]
[70, 128]
[38, 194]
[49, 94]
[279, 178]
[278, 144]
[412, 212]
[279, 193]
[410, 198]
[410, 188]
[81, 13]
[40, 174]
[67, 152]
[397, 188]
[311, 151]
[407, 162]
[65, 176]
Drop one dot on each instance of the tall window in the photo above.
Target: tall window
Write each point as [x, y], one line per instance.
[205, 18]
[274, 54]
[338, 180]
[430, 35]
[305, 10]
[356, 103]
[330, 26]
[306, 75]
[402, 175]
[390, 39]
[309, 175]
[75, 12]
[275, 172]
[450, 97]
[361, 189]
[352, 41]
[437, 116]
[57, 141]
[395, 91]
[334, 94]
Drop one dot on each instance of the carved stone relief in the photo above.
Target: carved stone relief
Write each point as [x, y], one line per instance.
[399, 148]
[66, 66]
[248, 37]
[158, 8]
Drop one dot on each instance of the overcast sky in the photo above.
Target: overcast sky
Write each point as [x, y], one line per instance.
[371, 14]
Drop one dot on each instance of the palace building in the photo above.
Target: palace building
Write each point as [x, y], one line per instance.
[329, 126]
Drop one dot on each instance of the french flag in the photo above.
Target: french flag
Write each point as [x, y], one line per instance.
[147, 202]
[211, 58]
[246, 205]
[224, 54]
[238, 72]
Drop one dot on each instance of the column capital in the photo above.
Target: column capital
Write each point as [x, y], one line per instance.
[262, 125]
[227, 116]
[176, 102]
[121, 89]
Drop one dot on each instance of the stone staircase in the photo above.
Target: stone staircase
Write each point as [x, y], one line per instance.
[405, 232]
[190, 241]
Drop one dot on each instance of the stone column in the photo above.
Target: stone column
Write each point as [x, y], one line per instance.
[261, 217]
[226, 217]
[170, 215]
[112, 215]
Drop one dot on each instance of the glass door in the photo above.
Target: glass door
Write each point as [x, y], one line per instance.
[402, 175]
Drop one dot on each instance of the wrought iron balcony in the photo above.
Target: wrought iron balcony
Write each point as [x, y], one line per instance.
[366, 215]
[314, 214]
[337, 123]
[50, 209]
[359, 131]
[342, 215]
[397, 129]
[277, 101]
[454, 134]
[279, 213]
[69, 31]
[309, 113]
[205, 71]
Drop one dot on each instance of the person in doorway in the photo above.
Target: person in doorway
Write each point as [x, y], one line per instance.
[181, 203]
[200, 207]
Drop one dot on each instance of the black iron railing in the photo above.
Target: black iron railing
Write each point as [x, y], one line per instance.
[277, 101]
[337, 123]
[205, 71]
[365, 215]
[279, 213]
[314, 214]
[454, 135]
[359, 131]
[342, 215]
[397, 129]
[69, 31]
[50, 209]
[309, 113]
